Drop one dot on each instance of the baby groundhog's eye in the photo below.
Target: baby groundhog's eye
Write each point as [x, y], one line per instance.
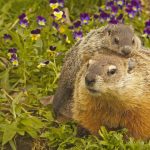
[111, 70]
[109, 32]
[116, 40]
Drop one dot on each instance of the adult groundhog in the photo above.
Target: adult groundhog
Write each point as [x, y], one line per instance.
[110, 39]
[114, 92]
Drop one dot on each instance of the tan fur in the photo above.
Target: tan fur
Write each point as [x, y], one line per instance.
[99, 40]
[145, 50]
[102, 39]
[125, 105]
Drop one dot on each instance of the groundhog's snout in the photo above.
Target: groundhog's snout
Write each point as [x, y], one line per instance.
[126, 50]
[90, 79]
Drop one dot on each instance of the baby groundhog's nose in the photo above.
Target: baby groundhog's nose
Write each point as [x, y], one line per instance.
[89, 79]
[126, 51]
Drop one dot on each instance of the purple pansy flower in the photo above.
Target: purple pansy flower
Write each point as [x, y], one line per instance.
[53, 4]
[136, 5]
[133, 8]
[46, 62]
[104, 16]
[13, 56]
[77, 24]
[52, 48]
[36, 31]
[24, 23]
[41, 20]
[130, 11]
[114, 9]
[77, 35]
[120, 3]
[12, 50]
[109, 4]
[147, 23]
[61, 3]
[147, 32]
[147, 28]
[35, 34]
[113, 20]
[22, 16]
[53, 1]
[43, 64]
[55, 25]
[7, 37]
[58, 14]
[84, 18]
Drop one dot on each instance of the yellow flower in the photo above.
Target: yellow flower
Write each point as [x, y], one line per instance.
[9, 55]
[41, 23]
[54, 5]
[41, 65]
[15, 62]
[61, 29]
[85, 21]
[120, 3]
[58, 15]
[51, 53]
[34, 37]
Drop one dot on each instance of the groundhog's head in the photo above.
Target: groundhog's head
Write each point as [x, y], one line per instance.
[111, 75]
[121, 39]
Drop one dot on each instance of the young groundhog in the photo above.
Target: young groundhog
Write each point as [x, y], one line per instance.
[118, 39]
[114, 92]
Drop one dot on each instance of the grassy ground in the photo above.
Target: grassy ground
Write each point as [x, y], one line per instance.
[31, 54]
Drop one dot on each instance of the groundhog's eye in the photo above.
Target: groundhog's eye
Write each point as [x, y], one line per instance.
[111, 70]
[87, 65]
[133, 41]
[116, 40]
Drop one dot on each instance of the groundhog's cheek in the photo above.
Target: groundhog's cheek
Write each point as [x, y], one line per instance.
[100, 88]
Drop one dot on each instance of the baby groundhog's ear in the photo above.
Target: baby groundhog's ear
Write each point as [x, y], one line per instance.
[107, 30]
[131, 64]
[137, 42]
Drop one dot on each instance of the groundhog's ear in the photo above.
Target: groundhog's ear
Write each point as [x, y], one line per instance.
[131, 64]
[138, 42]
[109, 29]
[85, 57]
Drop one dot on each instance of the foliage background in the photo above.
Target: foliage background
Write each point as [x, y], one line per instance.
[26, 119]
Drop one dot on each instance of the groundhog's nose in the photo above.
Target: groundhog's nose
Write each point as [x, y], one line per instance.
[126, 51]
[89, 79]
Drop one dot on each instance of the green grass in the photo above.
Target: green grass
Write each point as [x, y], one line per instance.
[23, 88]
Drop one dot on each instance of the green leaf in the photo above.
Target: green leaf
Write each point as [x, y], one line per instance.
[39, 43]
[33, 122]
[4, 79]
[9, 133]
[31, 132]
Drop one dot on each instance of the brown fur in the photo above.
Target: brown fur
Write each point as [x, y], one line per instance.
[99, 40]
[125, 105]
